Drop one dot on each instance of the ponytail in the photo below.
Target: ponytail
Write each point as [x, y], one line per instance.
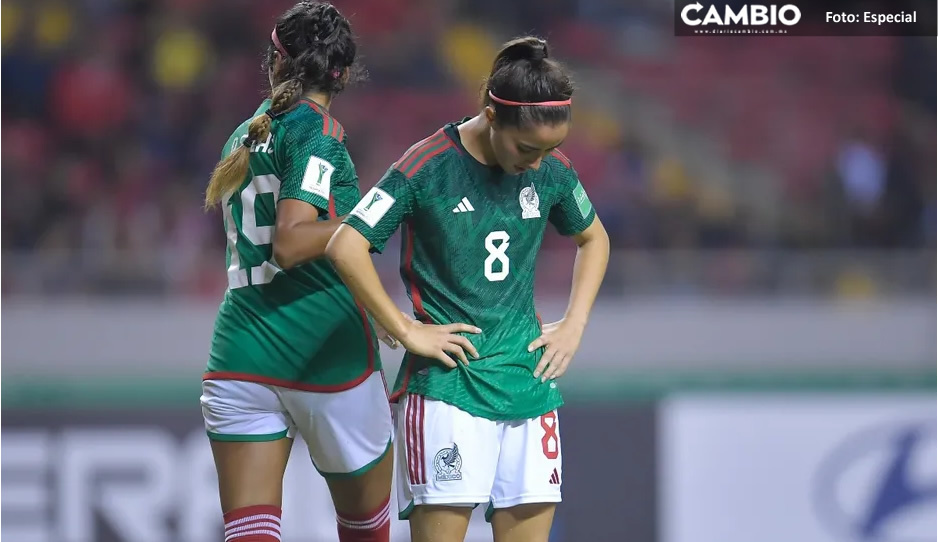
[229, 173]
[311, 48]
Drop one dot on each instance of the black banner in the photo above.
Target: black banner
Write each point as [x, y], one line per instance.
[805, 18]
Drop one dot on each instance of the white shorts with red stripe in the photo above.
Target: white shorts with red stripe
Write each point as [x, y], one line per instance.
[447, 456]
[347, 432]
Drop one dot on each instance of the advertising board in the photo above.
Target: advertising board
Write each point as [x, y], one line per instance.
[806, 467]
[146, 475]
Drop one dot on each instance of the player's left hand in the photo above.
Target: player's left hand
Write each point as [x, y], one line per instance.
[562, 338]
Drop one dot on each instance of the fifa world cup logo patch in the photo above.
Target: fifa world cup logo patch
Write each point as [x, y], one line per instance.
[374, 199]
[529, 203]
[447, 464]
[322, 171]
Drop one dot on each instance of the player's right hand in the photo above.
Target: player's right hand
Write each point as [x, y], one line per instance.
[439, 341]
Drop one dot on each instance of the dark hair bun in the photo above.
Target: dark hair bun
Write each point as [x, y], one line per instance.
[524, 72]
[530, 48]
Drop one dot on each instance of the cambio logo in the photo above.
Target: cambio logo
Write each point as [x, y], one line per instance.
[748, 15]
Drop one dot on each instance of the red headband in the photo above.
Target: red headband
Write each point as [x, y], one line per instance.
[283, 51]
[277, 44]
[557, 103]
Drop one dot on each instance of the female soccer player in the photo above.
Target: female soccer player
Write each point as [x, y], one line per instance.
[474, 200]
[292, 352]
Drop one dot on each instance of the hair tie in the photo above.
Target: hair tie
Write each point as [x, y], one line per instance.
[270, 114]
[556, 103]
[248, 142]
[336, 74]
[277, 44]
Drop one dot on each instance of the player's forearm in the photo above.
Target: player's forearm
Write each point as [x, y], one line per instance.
[355, 268]
[588, 271]
[303, 242]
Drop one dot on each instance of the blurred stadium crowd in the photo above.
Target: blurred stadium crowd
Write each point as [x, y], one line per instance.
[115, 111]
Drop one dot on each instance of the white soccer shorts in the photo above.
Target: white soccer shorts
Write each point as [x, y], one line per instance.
[347, 432]
[446, 456]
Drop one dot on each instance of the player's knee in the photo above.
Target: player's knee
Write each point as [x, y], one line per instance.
[357, 495]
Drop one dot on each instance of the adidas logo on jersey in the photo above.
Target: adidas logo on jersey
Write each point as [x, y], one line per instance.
[464, 206]
[555, 477]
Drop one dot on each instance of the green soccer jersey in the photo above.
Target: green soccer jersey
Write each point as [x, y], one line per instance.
[471, 234]
[297, 328]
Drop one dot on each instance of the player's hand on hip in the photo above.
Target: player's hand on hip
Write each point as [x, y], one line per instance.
[560, 341]
[439, 341]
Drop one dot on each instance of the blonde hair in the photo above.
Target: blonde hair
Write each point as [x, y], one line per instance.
[229, 173]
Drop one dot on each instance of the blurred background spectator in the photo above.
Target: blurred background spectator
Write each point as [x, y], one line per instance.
[745, 155]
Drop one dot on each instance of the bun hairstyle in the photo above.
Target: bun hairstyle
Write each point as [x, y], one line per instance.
[317, 52]
[526, 87]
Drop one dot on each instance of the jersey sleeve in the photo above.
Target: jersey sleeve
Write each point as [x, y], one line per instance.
[572, 212]
[309, 168]
[383, 208]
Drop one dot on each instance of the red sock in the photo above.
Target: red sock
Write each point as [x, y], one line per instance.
[372, 527]
[259, 523]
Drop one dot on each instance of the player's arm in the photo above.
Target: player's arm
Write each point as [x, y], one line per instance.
[574, 216]
[589, 268]
[300, 236]
[311, 169]
[369, 226]
[349, 252]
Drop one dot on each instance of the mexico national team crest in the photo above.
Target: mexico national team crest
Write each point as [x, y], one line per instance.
[529, 203]
[447, 464]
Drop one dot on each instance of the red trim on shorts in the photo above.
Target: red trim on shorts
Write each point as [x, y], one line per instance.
[332, 206]
[408, 439]
[289, 384]
[387, 391]
[414, 439]
[421, 449]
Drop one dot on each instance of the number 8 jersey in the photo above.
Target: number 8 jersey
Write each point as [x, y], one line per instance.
[471, 234]
[298, 328]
